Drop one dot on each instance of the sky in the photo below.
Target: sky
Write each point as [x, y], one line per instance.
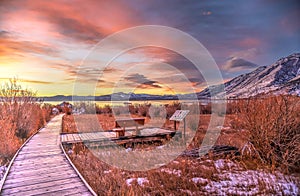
[45, 43]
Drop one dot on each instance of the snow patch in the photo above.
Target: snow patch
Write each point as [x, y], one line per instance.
[176, 162]
[222, 164]
[2, 171]
[199, 180]
[129, 181]
[249, 182]
[128, 150]
[107, 171]
[160, 147]
[169, 171]
[140, 181]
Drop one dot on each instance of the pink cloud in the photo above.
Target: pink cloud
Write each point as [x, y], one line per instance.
[250, 42]
[81, 20]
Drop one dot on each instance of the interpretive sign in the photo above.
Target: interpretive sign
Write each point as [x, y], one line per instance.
[179, 115]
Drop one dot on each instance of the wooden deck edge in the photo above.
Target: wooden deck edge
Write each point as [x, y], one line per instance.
[78, 173]
[122, 138]
[15, 156]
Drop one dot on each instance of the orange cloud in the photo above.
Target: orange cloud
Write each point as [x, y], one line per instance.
[10, 46]
[36, 81]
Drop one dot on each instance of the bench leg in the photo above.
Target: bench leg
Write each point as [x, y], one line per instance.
[120, 133]
[137, 132]
[123, 133]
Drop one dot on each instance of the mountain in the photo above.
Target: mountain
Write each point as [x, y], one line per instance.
[282, 77]
[115, 96]
[132, 96]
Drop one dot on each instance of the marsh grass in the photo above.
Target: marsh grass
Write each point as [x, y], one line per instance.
[241, 175]
[181, 176]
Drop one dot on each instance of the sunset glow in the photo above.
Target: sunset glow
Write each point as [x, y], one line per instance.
[43, 43]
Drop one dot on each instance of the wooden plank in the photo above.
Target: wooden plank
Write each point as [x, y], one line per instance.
[35, 166]
[94, 136]
[41, 171]
[12, 180]
[50, 183]
[38, 151]
[36, 148]
[32, 181]
[67, 136]
[32, 147]
[71, 136]
[63, 138]
[80, 190]
[38, 156]
[71, 192]
[37, 161]
[45, 187]
[90, 135]
[77, 138]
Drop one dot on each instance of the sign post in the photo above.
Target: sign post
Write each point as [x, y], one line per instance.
[180, 115]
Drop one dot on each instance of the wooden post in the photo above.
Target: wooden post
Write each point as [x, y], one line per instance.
[184, 128]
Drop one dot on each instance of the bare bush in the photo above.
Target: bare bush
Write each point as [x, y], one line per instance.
[21, 116]
[273, 124]
[171, 108]
[89, 107]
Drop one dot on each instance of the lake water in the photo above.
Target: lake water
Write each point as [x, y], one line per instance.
[124, 103]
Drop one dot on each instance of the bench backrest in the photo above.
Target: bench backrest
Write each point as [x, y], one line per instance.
[129, 122]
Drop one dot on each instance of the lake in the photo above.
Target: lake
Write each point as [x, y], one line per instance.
[124, 103]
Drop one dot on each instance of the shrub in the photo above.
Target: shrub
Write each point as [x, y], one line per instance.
[21, 115]
[205, 109]
[171, 108]
[273, 124]
[143, 109]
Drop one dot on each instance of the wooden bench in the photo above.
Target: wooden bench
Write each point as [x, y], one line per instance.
[128, 124]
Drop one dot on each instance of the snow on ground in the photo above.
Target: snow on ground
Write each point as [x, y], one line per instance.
[170, 171]
[233, 180]
[2, 171]
[199, 180]
[107, 171]
[140, 181]
[250, 183]
[222, 164]
[129, 181]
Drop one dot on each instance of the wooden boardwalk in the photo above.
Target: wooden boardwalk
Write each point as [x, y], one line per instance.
[111, 136]
[41, 167]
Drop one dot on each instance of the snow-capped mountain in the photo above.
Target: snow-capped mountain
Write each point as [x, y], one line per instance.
[282, 77]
